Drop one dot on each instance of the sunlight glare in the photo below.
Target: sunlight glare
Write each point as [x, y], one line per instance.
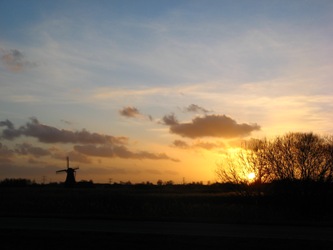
[251, 176]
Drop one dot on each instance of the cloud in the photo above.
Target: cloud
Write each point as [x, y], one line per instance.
[119, 151]
[28, 149]
[103, 93]
[48, 134]
[170, 120]
[10, 132]
[7, 124]
[196, 109]
[86, 143]
[73, 155]
[211, 125]
[129, 112]
[134, 112]
[180, 144]
[14, 60]
[204, 145]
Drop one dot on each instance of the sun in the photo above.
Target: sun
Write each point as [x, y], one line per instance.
[251, 176]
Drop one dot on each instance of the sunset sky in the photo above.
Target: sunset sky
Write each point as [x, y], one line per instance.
[142, 90]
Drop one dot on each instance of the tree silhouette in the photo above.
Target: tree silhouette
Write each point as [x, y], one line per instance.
[301, 156]
[298, 162]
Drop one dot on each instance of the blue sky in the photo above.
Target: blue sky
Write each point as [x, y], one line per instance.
[180, 80]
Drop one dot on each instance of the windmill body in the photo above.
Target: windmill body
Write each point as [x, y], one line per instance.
[70, 177]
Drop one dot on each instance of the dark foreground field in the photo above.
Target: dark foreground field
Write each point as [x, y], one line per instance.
[68, 233]
[128, 217]
[35, 239]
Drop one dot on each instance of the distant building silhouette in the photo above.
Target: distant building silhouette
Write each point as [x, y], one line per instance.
[70, 177]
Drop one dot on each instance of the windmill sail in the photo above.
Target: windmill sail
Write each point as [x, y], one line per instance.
[59, 171]
[71, 172]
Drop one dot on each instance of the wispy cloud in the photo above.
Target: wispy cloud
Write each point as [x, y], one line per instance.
[195, 109]
[15, 61]
[119, 151]
[74, 156]
[110, 93]
[200, 144]
[29, 149]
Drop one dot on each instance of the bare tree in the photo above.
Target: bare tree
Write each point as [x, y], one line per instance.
[246, 167]
[304, 161]
[301, 156]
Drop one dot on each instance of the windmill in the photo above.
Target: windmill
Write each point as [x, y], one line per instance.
[71, 172]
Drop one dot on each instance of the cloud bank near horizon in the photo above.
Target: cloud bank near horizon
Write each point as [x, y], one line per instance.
[85, 143]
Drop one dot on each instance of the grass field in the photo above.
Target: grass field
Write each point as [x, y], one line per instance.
[152, 203]
[168, 204]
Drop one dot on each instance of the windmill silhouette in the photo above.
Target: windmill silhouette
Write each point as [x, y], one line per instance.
[71, 172]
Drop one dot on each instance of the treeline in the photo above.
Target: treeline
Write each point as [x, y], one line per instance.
[22, 182]
[17, 182]
[295, 164]
[167, 186]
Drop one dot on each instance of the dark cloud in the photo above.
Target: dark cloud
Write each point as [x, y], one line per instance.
[205, 145]
[212, 126]
[196, 109]
[48, 134]
[129, 112]
[7, 124]
[74, 156]
[132, 112]
[92, 150]
[119, 151]
[28, 149]
[10, 132]
[170, 120]
[180, 144]
[14, 60]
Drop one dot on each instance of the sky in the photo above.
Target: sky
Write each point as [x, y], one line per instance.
[145, 90]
